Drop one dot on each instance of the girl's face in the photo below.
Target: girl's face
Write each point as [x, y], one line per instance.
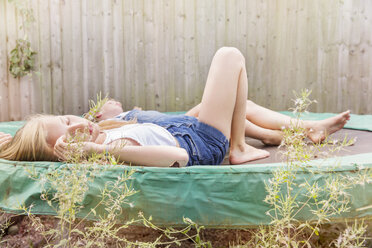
[110, 109]
[69, 125]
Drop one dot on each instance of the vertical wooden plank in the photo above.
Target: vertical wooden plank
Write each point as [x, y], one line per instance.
[349, 54]
[72, 57]
[4, 98]
[206, 43]
[203, 54]
[76, 59]
[107, 40]
[190, 52]
[310, 47]
[220, 24]
[230, 22]
[168, 35]
[95, 57]
[159, 53]
[56, 58]
[179, 60]
[14, 107]
[85, 53]
[262, 86]
[24, 82]
[297, 23]
[241, 26]
[250, 60]
[128, 23]
[359, 83]
[118, 51]
[139, 55]
[367, 55]
[44, 55]
[36, 86]
[149, 58]
[67, 56]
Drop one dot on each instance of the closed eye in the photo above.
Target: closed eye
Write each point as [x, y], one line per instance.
[67, 120]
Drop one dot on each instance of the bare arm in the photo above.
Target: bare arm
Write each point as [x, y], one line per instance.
[161, 156]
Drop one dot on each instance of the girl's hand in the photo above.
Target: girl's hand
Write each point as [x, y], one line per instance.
[5, 138]
[62, 148]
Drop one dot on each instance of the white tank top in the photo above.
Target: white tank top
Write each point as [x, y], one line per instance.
[146, 134]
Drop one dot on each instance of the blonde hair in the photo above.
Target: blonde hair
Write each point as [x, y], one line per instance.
[30, 141]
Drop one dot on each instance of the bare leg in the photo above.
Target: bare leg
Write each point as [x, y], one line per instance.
[316, 130]
[262, 121]
[194, 111]
[223, 104]
[267, 136]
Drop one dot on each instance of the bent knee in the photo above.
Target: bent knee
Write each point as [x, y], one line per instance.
[250, 103]
[230, 53]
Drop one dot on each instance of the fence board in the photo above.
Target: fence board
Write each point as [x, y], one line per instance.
[44, 56]
[13, 83]
[56, 58]
[77, 58]
[128, 23]
[156, 54]
[4, 99]
[118, 50]
[179, 59]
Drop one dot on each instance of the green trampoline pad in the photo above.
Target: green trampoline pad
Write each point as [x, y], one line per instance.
[213, 196]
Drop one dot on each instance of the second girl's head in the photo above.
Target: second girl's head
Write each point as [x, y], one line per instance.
[103, 110]
[109, 110]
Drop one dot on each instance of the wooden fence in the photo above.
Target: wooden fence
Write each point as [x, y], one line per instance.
[156, 53]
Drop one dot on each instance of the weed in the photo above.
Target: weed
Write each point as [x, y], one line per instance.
[320, 200]
[22, 57]
[95, 107]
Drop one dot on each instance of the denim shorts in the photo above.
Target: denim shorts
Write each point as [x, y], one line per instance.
[205, 144]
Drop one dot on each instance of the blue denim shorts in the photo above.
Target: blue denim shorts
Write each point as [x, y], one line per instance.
[205, 144]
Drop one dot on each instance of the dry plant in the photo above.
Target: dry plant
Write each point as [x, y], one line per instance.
[4, 224]
[319, 200]
[95, 107]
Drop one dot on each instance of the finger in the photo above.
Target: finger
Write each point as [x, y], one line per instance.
[60, 149]
[3, 135]
[5, 140]
[59, 155]
[61, 141]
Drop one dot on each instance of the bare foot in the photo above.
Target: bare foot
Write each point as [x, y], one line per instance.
[274, 139]
[319, 130]
[246, 153]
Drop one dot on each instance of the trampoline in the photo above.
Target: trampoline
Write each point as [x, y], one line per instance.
[213, 196]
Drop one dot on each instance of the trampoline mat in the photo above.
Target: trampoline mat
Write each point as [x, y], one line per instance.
[362, 144]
